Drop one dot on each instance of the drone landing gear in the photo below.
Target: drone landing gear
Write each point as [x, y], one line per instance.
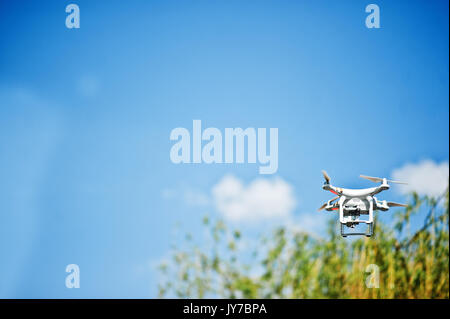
[368, 233]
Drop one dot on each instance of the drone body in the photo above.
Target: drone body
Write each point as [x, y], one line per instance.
[353, 203]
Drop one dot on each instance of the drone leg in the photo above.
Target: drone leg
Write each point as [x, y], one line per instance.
[342, 231]
[370, 200]
[370, 222]
[341, 209]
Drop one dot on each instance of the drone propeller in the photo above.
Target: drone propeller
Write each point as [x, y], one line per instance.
[379, 180]
[325, 175]
[325, 205]
[393, 204]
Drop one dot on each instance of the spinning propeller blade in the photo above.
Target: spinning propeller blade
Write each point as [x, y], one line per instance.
[397, 182]
[325, 175]
[372, 179]
[393, 204]
[379, 180]
[325, 205]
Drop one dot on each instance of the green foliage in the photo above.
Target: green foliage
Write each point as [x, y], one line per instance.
[293, 264]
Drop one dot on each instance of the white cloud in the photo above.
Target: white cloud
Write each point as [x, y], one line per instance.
[268, 202]
[426, 177]
[261, 199]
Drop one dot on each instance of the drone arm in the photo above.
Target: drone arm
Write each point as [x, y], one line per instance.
[384, 186]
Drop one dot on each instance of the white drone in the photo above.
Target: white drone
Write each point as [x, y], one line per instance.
[353, 203]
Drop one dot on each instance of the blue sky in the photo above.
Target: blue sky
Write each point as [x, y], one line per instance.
[86, 114]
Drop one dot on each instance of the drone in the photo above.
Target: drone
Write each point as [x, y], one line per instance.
[352, 203]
